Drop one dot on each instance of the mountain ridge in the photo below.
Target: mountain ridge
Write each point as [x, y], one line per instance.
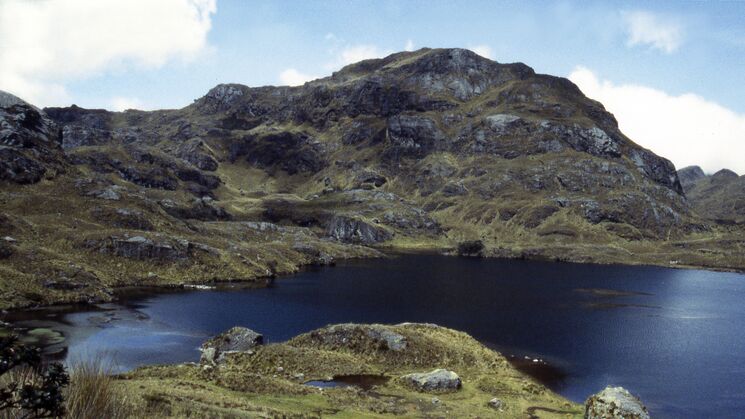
[426, 149]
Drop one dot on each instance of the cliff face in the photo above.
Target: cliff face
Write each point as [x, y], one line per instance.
[422, 149]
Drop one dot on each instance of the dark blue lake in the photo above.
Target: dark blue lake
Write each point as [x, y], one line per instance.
[674, 337]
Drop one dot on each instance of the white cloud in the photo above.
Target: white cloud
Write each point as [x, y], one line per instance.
[292, 77]
[45, 44]
[483, 50]
[356, 53]
[344, 54]
[409, 45]
[645, 28]
[120, 104]
[687, 129]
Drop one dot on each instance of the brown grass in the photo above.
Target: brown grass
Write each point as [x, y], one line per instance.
[92, 393]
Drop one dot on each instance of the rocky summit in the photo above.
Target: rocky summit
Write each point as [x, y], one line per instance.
[719, 197]
[429, 149]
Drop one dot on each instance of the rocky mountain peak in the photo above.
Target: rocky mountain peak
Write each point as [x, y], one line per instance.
[724, 175]
[689, 176]
[8, 99]
[29, 142]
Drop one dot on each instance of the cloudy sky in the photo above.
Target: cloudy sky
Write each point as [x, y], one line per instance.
[673, 73]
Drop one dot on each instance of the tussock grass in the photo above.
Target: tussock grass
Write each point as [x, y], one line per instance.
[92, 392]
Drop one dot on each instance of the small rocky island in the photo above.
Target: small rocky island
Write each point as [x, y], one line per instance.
[416, 370]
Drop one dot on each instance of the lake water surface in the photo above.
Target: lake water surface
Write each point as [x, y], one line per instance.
[674, 337]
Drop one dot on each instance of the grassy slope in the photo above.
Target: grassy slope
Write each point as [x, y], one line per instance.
[253, 385]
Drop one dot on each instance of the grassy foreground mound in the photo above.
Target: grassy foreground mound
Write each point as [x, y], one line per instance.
[273, 380]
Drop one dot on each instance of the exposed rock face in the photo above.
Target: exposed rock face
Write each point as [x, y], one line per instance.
[412, 136]
[351, 230]
[196, 152]
[689, 176]
[658, 169]
[149, 249]
[436, 381]
[237, 339]
[615, 403]
[29, 142]
[139, 247]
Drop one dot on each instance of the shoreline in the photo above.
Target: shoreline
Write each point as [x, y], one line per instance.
[383, 252]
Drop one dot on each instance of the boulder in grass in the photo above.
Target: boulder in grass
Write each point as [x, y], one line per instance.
[615, 403]
[437, 381]
[237, 339]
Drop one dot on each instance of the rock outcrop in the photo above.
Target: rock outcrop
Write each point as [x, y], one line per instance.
[350, 230]
[29, 142]
[374, 337]
[615, 403]
[689, 176]
[236, 339]
[436, 381]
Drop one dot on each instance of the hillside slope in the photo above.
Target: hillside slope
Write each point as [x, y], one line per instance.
[423, 149]
[719, 197]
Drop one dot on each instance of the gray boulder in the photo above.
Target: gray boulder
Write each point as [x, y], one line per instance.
[439, 380]
[615, 403]
[236, 339]
[496, 404]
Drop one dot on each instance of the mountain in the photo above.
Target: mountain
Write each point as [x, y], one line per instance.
[431, 149]
[719, 197]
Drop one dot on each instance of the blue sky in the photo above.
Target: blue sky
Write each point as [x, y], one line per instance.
[150, 55]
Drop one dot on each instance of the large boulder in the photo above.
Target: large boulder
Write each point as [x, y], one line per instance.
[237, 339]
[436, 381]
[615, 403]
